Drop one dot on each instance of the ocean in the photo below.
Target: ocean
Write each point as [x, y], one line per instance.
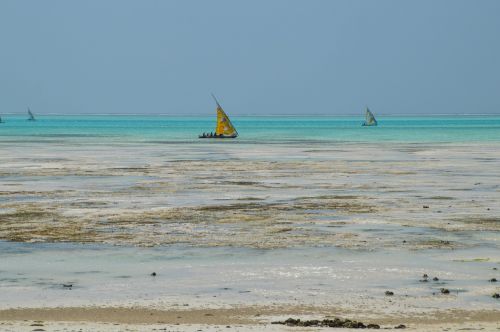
[262, 129]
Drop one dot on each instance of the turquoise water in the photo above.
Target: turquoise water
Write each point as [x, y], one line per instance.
[252, 129]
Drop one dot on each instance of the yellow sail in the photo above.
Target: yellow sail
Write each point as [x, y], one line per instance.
[224, 125]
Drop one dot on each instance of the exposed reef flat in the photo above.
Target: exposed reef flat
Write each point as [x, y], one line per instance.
[369, 196]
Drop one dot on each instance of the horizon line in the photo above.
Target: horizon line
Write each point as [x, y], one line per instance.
[252, 115]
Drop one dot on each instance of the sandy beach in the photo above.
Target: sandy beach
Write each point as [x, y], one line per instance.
[241, 319]
[238, 319]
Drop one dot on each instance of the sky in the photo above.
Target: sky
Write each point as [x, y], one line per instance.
[258, 57]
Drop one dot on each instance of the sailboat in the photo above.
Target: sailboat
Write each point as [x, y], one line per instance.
[31, 116]
[369, 118]
[224, 128]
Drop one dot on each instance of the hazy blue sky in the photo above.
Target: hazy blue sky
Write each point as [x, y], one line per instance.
[258, 57]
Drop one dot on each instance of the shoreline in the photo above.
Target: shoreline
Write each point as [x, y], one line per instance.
[244, 315]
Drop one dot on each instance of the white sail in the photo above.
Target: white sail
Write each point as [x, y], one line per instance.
[369, 119]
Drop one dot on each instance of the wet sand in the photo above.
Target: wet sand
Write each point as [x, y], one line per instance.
[240, 319]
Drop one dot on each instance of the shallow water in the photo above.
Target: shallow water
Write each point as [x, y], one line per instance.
[33, 275]
[294, 211]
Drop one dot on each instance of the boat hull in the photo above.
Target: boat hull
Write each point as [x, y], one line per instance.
[217, 137]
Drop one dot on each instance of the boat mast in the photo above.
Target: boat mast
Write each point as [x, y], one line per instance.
[218, 105]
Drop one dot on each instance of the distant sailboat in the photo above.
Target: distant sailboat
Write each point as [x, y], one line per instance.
[369, 119]
[224, 128]
[31, 116]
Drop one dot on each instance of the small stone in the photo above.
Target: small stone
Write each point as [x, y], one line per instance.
[435, 279]
[493, 280]
[495, 268]
[426, 206]
[389, 293]
[400, 326]
[313, 322]
[423, 280]
[445, 291]
[373, 326]
[67, 285]
[292, 322]
[153, 274]
[496, 296]
[425, 276]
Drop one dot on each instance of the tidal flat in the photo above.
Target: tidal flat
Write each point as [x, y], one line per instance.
[311, 228]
